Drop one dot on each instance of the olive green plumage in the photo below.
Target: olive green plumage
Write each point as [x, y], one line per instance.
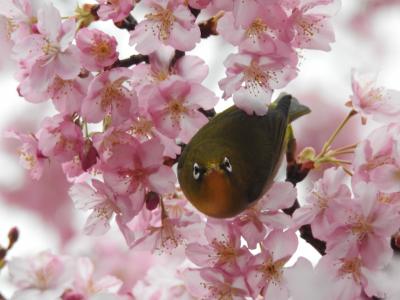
[245, 151]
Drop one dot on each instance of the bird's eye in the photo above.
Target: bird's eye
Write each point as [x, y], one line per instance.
[226, 165]
[196, 171]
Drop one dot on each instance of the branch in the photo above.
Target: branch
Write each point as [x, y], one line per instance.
[209, 27]
[129, 23]
[295, 173]
[130, 61]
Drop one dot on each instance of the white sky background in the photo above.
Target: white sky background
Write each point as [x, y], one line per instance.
[330, 71]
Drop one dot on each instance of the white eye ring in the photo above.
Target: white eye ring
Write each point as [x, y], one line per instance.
[196, 171]
[226, 164]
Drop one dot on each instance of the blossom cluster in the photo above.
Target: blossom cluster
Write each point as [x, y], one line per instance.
[118, 132]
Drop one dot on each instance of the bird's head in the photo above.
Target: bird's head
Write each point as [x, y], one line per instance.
[209, 179]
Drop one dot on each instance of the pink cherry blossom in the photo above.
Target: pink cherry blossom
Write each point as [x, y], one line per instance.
[60, 138]
[20, 16]
[165, 228]
[208, 284]
[381, 104]
[174, 106]
[322, 202]
[349, 276]
[163, 281]
[107, 95]
[265, 270]
[104, 204]
[30, 156]
[301, 276]
[97, 49]
[134, 169]
[222, 251]
[49, 52]
[170, 23]
[364, 225]
[257, 27]
[44, 276]
[189, 67]
[377, 156]
[252, 78]
[116, 10]
[311, 24]
[254, 223]
[86, 285]
[143, 128]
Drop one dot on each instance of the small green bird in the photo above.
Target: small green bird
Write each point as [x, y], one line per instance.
[232, 160]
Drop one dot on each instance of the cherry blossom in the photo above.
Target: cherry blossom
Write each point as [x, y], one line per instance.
[364, 225]
[44, 276]
[328, 193]
[165, 228]
[104, 204]
[349, 276]
[376, 156]
[97, 49]
[174, 106]
[189, 67]
[311, 24]
[132, 170]
[49, 53]
[107, 95]
[116, 10]
[252, 78]
[381, 104]
[210, 284]
[257, 27]
[222, 250]
[254, 223]
[30, 157]
[85, 285]
[60, 138]
[170, 23]
[265, 270]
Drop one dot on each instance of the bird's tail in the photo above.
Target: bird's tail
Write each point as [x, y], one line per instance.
[291, 106]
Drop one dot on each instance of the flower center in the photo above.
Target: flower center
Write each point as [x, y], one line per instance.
[256, 28]
[224, 251]
[164, 21]
[361, 227]
[112, 93]
[272, 271]
[374, 96]
[352, 268]
[176, 109]
[142, 127]
[48, 48]
[101, 49]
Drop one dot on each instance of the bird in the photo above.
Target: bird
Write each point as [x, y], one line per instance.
[231, 162]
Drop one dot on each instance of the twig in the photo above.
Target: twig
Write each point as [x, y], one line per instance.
[295, 173]
[209, 27]
[129, 23]
[130, 61]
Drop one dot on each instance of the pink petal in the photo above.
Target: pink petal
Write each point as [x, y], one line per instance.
[386, 178]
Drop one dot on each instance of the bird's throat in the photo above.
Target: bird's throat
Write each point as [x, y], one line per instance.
[216, 196]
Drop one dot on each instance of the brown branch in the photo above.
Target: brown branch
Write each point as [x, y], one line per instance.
[295, 173]
[130, 61]
[177, 55]
[209, 27]
[129, 23]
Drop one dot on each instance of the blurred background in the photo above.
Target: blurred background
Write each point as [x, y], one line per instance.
[367, 37]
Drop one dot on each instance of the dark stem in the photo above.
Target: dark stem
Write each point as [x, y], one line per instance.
[295, 173]
[395, 243]
[209, 27]
[209, 113]
[195, 12]
[178, 54]
[129, 23]
[130, 61]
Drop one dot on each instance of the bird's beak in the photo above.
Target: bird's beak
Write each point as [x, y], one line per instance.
[212, 167]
